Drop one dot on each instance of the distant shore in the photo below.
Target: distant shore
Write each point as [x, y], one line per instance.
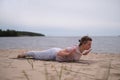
[13, 33]
[90, 67]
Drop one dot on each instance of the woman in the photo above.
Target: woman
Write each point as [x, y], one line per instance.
[69, 54]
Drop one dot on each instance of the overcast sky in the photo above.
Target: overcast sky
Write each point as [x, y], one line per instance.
[62, 17]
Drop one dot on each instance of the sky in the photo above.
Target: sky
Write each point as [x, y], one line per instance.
[62, 17]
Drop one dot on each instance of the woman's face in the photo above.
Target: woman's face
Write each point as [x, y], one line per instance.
[87, 45]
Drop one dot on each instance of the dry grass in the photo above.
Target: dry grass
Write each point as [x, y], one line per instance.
[60, 71]
[30, 61]
[45, 69]
[108, 71]
[25, 74]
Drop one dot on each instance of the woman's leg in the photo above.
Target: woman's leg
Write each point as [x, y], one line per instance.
[49, 54]
[26, 54]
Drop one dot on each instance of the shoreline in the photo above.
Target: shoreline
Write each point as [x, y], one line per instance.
[90, 67]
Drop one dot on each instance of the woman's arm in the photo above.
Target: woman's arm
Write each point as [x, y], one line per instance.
[65, 52]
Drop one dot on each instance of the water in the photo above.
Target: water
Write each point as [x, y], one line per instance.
[99, 44]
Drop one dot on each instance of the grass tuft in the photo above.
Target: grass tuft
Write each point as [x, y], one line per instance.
[30, 61]
[25, 74]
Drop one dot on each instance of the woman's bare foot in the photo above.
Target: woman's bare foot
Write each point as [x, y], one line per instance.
[21, 56]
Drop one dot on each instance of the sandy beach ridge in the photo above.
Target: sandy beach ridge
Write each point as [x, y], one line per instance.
[91, 67]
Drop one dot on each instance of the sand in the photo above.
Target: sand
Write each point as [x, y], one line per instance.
[91, 67]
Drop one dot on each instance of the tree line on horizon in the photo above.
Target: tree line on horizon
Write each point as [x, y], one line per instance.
[14, 33]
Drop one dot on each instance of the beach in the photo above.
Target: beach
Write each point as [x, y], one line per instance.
[94, 66]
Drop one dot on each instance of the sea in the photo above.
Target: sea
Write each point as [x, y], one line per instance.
[100, 44]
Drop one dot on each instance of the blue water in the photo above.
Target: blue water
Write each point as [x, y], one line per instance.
[99, 44]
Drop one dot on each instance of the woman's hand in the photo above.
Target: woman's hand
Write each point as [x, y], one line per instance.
[86, 51]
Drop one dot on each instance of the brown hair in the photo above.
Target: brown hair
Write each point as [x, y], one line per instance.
[84, 40]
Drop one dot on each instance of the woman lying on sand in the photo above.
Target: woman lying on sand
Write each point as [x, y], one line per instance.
[69, 54]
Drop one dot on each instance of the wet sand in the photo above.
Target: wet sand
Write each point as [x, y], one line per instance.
[91, 67]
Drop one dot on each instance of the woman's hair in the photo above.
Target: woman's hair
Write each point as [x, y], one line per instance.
[84, 40]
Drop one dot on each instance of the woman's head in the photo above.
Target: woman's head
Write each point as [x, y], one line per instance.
[85, 42]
